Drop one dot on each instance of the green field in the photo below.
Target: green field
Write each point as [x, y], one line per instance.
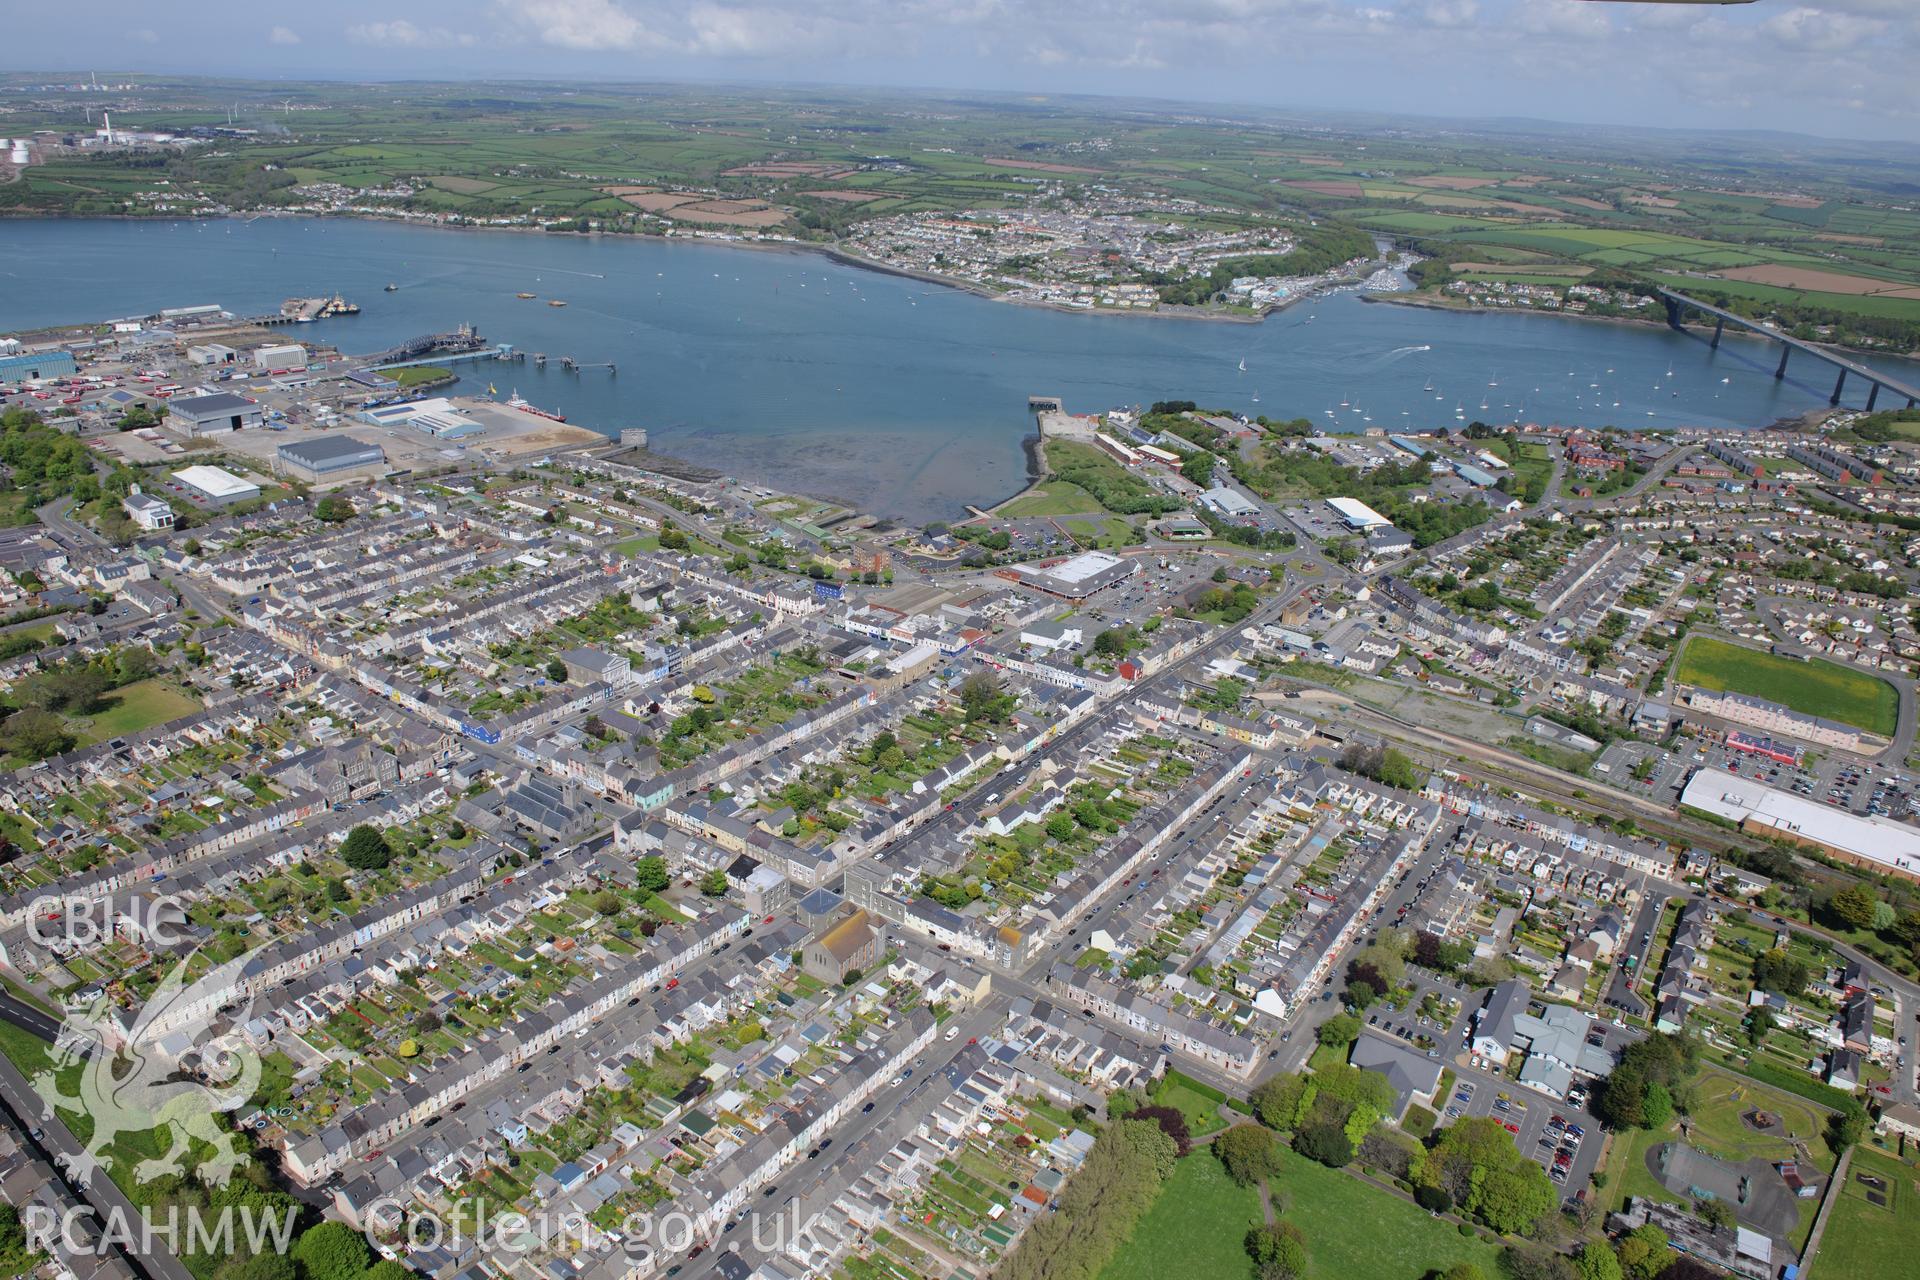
[1866, 1241]
[1201, 1109]
[1719, 1099]
[414, 375]
[1814, 687]
[1053, 498]
[135, 707]
[1197, 1226]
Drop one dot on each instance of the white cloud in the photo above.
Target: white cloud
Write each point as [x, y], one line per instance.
[283, 35]
[1821, 31]
[1450, 13]
[581, 24]
[401, 34]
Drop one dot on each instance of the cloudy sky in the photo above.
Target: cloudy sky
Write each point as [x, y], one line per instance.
[1836, 67]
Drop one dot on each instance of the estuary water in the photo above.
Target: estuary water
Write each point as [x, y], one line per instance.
[908, 398]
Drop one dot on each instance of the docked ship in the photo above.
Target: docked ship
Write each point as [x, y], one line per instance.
[515, 402]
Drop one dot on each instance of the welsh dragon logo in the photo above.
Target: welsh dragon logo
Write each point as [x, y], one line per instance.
[126, 1087]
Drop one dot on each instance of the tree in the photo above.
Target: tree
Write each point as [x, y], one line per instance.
[1779, 971]
[1172, 1122]
[1279, 1252]
[1341, 1029]
[1463, 1271]
[261, 1266]
[557, 671]
[334, 509]
[1621, 1099]
[1248, 1152]
[365, 849]
[982, 699]
[1846, 1126]
[1278, 1099]
[1150, 1143]
[336, 889]
[35, 733]
[1643, 1252]
[1657, 1107]
[1533, 1262]
[608, 903]
[1327, 1144]
[1716, 1213]
[1855, 906]
[714, 883]
[330, 1251]
[650, 873]
[1476, 1163]
[1596, 1261]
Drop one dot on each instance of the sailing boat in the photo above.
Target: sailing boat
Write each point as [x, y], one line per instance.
[1243, 364]
[1256, 397]
[1429, 385]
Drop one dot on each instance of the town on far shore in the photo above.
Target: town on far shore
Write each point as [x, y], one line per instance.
[1501, 835]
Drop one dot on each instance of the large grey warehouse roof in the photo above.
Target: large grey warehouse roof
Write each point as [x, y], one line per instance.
[216, 402]
[324, 449]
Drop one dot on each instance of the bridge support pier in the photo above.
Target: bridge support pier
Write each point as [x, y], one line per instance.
[1838, 383]
[1873, 394]
[1719, 326]
[1781, 372]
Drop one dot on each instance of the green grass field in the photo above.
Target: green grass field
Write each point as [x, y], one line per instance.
[1719, 1099]
[1202, 1112]
[1867, 1241]
[1198, 1225]
[1054, 498]
[1814, 687]
[135, 707]
[416, 374]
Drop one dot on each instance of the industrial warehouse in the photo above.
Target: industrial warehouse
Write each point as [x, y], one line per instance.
[327, 458]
